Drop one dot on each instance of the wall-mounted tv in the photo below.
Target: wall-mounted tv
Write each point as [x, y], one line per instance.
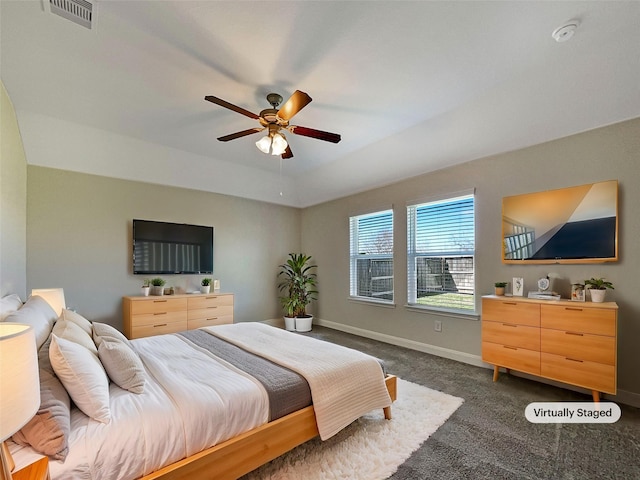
[569, 225]
[171, 248]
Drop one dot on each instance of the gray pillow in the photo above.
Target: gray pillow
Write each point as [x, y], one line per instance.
[122, 364]
[101, 330]
[37, 313]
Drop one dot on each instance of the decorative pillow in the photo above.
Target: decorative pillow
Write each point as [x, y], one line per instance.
[48, 431]
[101, 330]
[78, 319]
[37, 313]
[9, 304]
[72, 332]
[122, 364]
[83, 376]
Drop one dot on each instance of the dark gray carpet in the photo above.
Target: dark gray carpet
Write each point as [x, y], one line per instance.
[488, 437]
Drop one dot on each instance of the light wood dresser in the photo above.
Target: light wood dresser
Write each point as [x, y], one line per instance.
[155, 315]
[570, 342]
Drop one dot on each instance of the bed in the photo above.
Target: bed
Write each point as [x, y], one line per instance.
[216, 402]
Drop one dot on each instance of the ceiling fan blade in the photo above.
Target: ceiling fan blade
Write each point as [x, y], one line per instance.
[231, 106]
[287, 153]
[313, 133]
[296, 102]
[243, 133]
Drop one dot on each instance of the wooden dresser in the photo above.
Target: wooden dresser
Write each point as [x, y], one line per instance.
[154, 315]
[570, 342]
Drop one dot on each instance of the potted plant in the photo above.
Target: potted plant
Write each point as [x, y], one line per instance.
[145, 287]
[158, 286]
[598, 288]
[299, 282]
[499, 287]
[205, 285]
[289, 306]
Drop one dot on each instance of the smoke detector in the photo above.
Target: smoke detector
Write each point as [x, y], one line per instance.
[566, 31]
[81, 12]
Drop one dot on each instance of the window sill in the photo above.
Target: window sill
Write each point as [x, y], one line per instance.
[375, 303]
[465, 315]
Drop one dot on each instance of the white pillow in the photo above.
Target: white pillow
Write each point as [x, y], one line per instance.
[74, 333]
[38, 313]
[9, 304]
[101, 330]
[78, 319]
[122, 364]
[83, 377]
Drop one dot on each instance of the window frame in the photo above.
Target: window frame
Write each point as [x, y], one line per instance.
[355, 256]
[413, 254]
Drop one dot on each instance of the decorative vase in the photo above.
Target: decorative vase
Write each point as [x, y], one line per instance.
[290, 323]
[145, 291]
[597, 296]
[303, 324]
[205, 288]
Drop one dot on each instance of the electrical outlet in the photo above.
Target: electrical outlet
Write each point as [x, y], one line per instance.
[437, 326]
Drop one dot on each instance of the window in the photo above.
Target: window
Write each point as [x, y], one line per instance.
[371, 256]
[440, 254]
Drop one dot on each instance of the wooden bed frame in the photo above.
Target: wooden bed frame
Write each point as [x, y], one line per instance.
[246, 452]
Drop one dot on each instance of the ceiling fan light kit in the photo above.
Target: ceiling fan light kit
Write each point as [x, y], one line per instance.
[276, 120]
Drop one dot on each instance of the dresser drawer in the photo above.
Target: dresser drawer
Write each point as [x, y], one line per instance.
[580, 346]
[158, 328]
[211, 312]
[591, 375]
[511, 311]
[597, 321]
[161, 305]
[209, 321]
[159, 317]
[208, 301]
[516, 358]
[511, 334]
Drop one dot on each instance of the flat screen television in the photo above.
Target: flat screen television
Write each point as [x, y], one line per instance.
[568, 225]
[171, 248]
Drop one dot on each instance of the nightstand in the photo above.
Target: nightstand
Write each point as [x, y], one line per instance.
[38, 470]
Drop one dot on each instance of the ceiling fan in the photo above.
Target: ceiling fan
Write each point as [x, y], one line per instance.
[275, 121]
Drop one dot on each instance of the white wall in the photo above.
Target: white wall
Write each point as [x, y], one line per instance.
[603, 154]
[13, 202]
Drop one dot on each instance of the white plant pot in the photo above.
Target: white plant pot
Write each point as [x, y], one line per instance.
[145, 291]
[290, 323]
[597, 295]
[304, 324]
[205, 288]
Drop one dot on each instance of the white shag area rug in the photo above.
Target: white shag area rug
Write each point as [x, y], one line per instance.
[371, 447]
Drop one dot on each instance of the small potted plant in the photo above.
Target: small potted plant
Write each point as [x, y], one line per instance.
[499, 288]
[158, 286]
[205, 285]
[598, 288]
[145, 287]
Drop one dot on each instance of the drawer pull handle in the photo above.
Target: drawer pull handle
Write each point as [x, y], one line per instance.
[211, 298]
[213, 306]
[573, 309]
[160, 313]
[509, 325]
[510, 348]
[574, 360]
[160, 325]
[575, 333]
[160, 301]
[212, 318]
[510, 303]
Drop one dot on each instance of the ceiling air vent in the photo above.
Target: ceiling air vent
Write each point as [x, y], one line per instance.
[78, 11]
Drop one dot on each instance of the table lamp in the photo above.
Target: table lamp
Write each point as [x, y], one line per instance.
[19, 385]
[53, 296]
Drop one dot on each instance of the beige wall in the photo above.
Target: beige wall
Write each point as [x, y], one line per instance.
[608, 153]
[79, 238]
[13, 202]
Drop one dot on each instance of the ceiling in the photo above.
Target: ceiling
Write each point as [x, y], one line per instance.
[412, 87]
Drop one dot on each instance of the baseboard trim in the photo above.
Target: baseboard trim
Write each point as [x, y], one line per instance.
[625, 397]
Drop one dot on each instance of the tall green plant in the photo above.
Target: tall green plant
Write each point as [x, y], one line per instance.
[299, 282]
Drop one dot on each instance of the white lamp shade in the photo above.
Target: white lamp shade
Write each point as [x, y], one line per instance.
[53, 296]
[279, 144]
[19, 379]
[264, 144]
